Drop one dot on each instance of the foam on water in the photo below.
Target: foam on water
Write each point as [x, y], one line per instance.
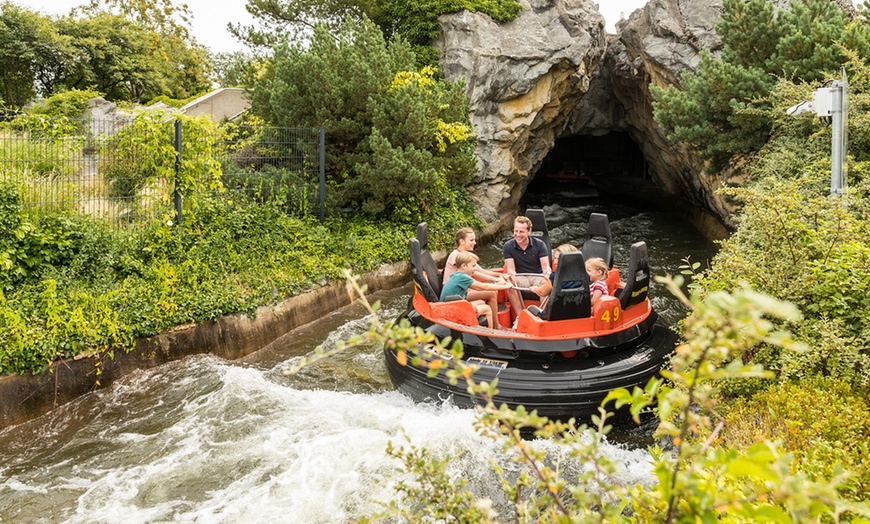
[222, 443]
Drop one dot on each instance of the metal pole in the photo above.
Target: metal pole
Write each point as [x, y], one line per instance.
[837, 142]
[322, 175]
[177, 195]
[844, 173]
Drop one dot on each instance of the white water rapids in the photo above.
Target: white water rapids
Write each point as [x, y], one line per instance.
[225, 443]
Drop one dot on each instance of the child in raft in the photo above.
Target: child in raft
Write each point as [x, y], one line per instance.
[597, 270]
[460, 281]
[465, 242]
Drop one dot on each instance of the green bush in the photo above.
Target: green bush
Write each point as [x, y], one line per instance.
[796, 242]
[723, 108]
[70, 104]
[83, 289]
[819, 419]
[397, 139]
[564, 475]
[142, 155]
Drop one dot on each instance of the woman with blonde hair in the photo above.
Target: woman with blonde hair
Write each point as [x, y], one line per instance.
[465, 242]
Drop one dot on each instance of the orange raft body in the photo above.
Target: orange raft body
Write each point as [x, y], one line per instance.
[607, 318]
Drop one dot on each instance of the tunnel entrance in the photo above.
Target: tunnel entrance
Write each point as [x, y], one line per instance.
[594, 159]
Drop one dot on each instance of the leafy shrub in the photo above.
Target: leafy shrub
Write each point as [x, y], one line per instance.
[397, 138]
[100, 289]
[797, 243]
[70, 104]
[142, 156]
[723, 108]
[697, 479]
[172, 102]
[819, 419]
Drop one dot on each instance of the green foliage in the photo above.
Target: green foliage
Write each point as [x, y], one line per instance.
[820, 420]
[797, 243]
[236, 69]
[708, 113]
[39, 149]
[173, 102]
[812, 251]
[397, 138]
[70, 104]
[722, 108]
[32, 55]
[33, 244]
[72, 286]
[142, 155]
[139, 53]
[181, 65]
[48, 135]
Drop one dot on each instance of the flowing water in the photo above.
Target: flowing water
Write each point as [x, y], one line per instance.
[210, 440]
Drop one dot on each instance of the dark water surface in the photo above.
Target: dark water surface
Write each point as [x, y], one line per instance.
[210, 440]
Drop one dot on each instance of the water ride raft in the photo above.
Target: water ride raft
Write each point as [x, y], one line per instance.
[562, 360]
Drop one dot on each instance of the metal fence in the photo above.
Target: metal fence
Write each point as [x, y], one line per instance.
[125, 172]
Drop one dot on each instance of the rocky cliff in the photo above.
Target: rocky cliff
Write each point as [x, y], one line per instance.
[554, 73]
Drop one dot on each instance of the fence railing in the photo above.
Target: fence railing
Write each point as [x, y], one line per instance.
[125, 173]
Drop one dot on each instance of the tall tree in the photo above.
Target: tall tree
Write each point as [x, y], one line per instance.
[116, 57]
[182, 63]
[414, 20]
[33, 56]
[236, 69]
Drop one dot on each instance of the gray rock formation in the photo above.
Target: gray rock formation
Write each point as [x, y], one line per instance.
[656, 45]
[525, 81]
[554, 73]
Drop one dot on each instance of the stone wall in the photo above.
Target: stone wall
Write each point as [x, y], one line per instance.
[524, 79]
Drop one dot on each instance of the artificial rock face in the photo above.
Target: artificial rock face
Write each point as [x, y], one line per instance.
[554, 73]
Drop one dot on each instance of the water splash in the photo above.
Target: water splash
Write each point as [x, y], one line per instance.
[203, 440]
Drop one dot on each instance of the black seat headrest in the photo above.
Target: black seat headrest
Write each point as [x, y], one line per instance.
[539, 227]
[637, 277]
[573, 301]
[599, 242]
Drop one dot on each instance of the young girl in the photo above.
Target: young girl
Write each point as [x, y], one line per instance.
[597, 270]
[461, 283]
[595, 267]
[465, 242]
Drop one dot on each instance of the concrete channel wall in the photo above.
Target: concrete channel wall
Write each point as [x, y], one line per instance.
[25, 397]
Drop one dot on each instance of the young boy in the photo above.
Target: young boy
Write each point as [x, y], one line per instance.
[460, 282]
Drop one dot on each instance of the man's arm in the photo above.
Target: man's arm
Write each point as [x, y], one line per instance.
[545, 266]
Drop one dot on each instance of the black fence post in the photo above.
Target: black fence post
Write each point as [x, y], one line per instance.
[177, 192]
[322, 175]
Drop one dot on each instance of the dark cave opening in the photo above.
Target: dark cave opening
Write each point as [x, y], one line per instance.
[599, 160]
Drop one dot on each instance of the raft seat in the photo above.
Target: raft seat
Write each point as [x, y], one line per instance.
[613, 280]
[638, 279]
[569, 302]
[458, 311]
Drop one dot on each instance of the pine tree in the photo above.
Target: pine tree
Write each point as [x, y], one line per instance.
[719, 109]
[396, 137]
